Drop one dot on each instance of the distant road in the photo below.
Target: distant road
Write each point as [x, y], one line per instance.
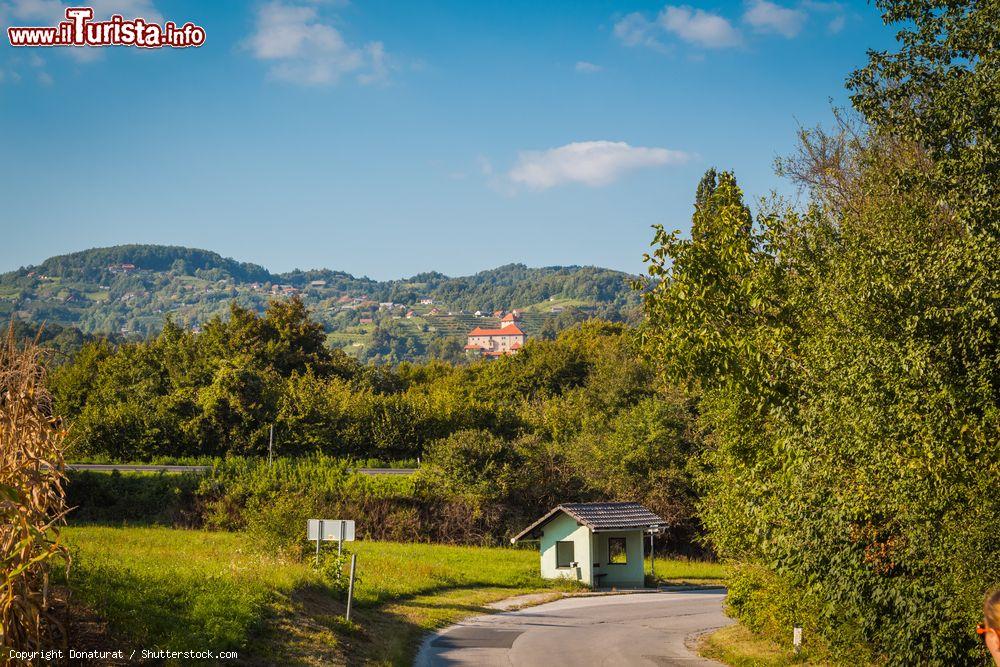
[110, 467]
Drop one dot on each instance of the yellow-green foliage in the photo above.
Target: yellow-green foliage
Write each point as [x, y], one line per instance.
[32, 501]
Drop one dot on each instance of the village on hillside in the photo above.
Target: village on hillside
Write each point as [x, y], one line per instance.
[132, 292]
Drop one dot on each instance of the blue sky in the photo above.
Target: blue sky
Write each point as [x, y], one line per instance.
[388, 138]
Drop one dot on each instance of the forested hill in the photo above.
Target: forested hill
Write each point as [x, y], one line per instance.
[129, 290]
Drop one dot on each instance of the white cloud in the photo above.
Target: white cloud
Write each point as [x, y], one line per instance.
[303, 49]
[694, 26]
[592, 163]
[585, 67]
[767, 17]
[699, 27]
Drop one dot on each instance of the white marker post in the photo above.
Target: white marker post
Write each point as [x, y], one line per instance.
[797, 639]
[652, 559]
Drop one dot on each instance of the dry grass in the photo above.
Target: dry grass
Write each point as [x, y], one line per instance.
[32, 499]
[736, 646]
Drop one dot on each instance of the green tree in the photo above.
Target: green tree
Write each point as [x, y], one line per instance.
[846, 360]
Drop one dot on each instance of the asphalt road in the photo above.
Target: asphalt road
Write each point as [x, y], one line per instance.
[151, 468]
[638, 629]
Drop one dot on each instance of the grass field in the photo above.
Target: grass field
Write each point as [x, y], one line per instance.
[181, 589]
[187, 589]
[670, 571]
[738, 647]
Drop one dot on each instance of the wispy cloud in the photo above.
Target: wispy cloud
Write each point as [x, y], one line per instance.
[585, 67]
[636, 30]
[693, 26]
[304, 49]
[591, 163]
[768, 17]
[836, 24]
[835, 11]
[709, 30]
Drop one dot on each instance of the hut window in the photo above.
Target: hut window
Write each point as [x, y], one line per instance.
[616, 550]
[564, 554]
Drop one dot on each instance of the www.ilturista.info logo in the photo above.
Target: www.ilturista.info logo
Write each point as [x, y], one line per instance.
[79, 29]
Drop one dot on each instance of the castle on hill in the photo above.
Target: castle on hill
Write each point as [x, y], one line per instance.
[508, 339]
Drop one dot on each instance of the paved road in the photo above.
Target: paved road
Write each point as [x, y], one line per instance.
[639, 629]
[200, 469]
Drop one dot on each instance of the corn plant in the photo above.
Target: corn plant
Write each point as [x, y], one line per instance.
[32, 500]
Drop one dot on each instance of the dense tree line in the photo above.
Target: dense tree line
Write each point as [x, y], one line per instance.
[847, 357]
[578, 417]
[92, 265]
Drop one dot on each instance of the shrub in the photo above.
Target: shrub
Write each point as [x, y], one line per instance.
[149, 498]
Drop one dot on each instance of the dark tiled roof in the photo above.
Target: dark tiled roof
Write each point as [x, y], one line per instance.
[601, 516]
[611, 516]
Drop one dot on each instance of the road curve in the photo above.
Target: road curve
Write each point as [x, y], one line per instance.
[638, 629]
[110, 467]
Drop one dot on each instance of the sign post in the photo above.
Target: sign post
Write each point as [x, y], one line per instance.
[317, 549]
[350, 587]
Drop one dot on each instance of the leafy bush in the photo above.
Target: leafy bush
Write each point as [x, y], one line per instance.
[150, 498]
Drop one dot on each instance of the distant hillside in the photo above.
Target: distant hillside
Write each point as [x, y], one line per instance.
[92, 265]
[128, 290]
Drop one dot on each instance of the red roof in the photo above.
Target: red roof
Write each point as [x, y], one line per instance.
[510, 317]
[510, 330]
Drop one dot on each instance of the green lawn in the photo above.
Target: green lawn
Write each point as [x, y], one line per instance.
[188, 589]
[670, 571]
[181, 589]
[167, 588]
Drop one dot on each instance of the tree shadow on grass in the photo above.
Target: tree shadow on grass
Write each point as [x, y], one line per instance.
[382, 633]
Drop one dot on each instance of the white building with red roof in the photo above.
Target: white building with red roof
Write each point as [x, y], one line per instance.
[508, 339]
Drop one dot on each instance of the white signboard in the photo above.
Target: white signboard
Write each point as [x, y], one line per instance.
[339, 530]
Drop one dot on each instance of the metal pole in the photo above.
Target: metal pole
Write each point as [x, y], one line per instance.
[350, 587]
[652, 559]
[270, 446]
[340, 542]
[319, 531]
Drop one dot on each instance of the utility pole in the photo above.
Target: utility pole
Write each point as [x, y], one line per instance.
[270, 446]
